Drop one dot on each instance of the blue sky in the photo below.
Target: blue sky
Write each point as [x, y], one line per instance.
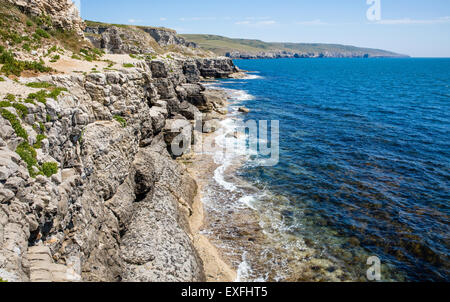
[419, 28]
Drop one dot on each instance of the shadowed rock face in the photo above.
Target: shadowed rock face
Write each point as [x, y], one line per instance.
[118, 205]
[63, 13]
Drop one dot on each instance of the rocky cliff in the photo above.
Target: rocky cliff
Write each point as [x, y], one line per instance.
[299, 55]
[89, 186]
[61, 14]
[124, 39]
[116, 206]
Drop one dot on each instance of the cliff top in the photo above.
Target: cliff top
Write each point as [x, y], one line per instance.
[102, 24]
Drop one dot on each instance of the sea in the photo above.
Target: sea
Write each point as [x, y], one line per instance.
[362, 182]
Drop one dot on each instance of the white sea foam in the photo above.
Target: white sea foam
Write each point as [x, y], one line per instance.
[248, 201]
[244, 270]
[252, 77]
[220, 179]
[240, 95]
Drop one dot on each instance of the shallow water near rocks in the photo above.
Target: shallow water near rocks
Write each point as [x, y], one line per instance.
[364, 171]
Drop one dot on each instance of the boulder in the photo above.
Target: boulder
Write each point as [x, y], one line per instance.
[244, 110]
[178, 136]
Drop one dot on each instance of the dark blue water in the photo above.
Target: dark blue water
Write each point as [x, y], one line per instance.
[365, 157]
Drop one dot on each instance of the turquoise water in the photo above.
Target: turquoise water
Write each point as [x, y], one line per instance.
[364, 160]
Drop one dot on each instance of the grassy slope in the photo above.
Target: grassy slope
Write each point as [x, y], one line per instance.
[221, 45]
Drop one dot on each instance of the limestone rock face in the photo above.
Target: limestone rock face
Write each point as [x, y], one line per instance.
[118, 205]
[216, 68]
[119, 40]
[63, 13]
[158, 229]
[166, 37]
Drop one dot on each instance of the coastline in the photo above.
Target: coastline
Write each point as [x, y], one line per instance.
[201, 168]
[216, 269]
[237, 236]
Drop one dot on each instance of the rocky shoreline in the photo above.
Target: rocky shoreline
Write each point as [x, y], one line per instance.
[92, 181]
[302, 55]
[118, 207]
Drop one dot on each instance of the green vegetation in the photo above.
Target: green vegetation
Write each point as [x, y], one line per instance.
[221, 45]
[121, 121]
[128, 65]
[76, 57]
[55, 58]
[42, 127]
[42, 95]
[21, 109]
[39, 139]
[4, 104]
[42, 33]
[49, 169]
[10, 97]
[43, 20]
[2, 79]
[52, 49]
[15, 123]
[41, 85]
[38, 96]
[1, 280]
[28, 155]
[92, 54]
[11, 66]
[26, 47]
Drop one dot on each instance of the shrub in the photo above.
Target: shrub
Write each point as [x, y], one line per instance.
[10, 97]
[39, 85]
[21, 109]
[55, 58]
[6, 57]
[29, 23]
[39, 139]
[26, 47]
[40, 96]
[28, 155]
[42, 127]
[11, 66]
[56, 92]
[53, 49]
[121, 121]
[5, 104]
[97, 52]
[2, 79]
[49, 169]
[43, 20]
[42, 33]
[15, 124]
